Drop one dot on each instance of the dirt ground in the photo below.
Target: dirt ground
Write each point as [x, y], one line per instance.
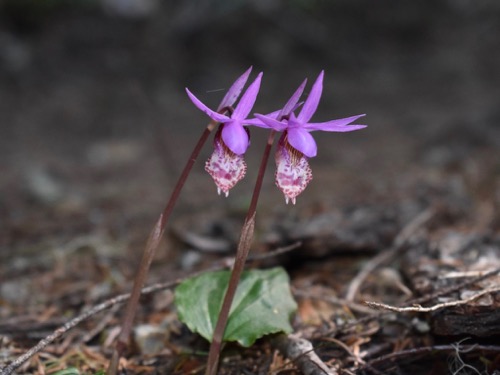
[96, 126]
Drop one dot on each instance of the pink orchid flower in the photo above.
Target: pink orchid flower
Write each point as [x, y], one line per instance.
[296, 145]
[226, 164]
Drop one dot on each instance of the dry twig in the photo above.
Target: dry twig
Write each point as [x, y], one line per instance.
[59, 332]
[382, 258]
[301, 352]
[418, 308]
[357, 359]
[417, 301]
[454, 288]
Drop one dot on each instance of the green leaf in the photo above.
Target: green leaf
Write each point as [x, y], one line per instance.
[263, 304]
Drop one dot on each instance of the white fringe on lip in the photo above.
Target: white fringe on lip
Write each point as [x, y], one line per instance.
[293, 173]
[225, 167]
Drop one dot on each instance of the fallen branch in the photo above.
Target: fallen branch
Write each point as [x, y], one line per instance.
[301, 352]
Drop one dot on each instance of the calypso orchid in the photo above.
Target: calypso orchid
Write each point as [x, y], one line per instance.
[296, 145]
[226, 164]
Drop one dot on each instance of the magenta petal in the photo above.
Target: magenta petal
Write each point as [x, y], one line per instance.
[291, 105]
[259, 123]
[302, 141]
[312, 100]
[293, 173]
[235, 90]
[225, 168]
[235, 137]
[271, 123]
[274, 114]
[212, 114]
[255, 122]
[247, 100]
[339, 125]
[345, 128]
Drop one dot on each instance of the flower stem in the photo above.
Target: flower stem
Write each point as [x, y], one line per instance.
[239, 264]
[149, 252]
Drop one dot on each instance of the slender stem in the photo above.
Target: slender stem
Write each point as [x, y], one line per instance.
[149, 252]
[239, 264]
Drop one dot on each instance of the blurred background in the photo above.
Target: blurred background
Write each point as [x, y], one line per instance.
[95, 123]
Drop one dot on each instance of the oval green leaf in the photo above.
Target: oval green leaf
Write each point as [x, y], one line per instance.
[263, 304]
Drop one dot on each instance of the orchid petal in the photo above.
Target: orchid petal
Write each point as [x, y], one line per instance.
[247, 100]
[312, 100]
[235, 137]
[212, 114]
[339, 125]
[292, 103]
[234, 91]
[271, 123]
[301, 140]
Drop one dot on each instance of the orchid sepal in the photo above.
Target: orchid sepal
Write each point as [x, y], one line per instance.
[234, 91]
[340, 125]
[312, 101]
[247, 100]
[210, 113]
